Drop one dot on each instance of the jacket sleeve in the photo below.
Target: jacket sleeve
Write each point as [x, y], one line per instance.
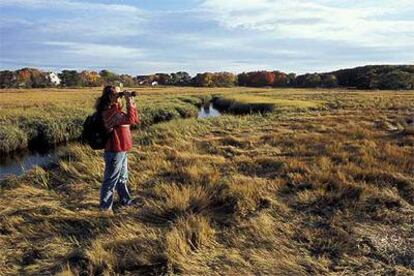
[133, 114]
[114, 117]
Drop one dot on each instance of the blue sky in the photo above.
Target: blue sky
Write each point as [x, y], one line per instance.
[148, 36]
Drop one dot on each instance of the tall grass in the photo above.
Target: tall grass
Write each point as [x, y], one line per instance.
[300, 192]
[47, 118]
[250, 103]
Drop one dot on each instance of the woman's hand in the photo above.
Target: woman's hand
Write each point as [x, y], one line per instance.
[129, 100]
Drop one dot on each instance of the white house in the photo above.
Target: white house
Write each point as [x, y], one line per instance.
[53, 78]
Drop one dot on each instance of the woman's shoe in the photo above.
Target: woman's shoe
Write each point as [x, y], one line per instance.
[133, 201]
[127, 203]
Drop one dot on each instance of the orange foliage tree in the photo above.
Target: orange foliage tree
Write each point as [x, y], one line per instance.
[220, 79]
[31, 78]
[90, 78]
[204, 79]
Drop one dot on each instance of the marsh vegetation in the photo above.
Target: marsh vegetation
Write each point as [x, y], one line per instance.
[318, 182]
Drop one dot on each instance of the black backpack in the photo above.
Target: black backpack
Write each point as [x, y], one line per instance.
[94, 132]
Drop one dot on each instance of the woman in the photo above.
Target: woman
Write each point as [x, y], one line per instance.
[119, 142]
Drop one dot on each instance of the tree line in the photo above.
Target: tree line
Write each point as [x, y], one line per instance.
[366, 77]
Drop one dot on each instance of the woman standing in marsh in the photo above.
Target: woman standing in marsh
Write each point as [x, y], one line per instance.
[119, 143]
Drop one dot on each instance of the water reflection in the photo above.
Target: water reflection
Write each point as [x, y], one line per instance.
[19, 163]
[208, 111]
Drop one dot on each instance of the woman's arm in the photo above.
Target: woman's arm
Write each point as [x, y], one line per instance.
[114, 117]
[132, 111]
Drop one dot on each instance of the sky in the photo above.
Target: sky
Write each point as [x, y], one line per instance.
[150, 36]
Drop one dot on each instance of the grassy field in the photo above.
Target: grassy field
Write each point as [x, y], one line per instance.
[315, 182]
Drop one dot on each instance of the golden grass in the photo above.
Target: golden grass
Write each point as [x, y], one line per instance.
[275, 102]
[302, 192]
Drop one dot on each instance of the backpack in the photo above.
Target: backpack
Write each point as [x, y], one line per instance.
[94, 132]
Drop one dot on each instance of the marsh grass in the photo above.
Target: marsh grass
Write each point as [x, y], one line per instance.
[250, 103]
[41, 119]
[300, 192]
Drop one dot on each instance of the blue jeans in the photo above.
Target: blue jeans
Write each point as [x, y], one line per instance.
[115, 177]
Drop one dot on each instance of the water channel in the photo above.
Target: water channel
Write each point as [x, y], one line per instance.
[20, 162]
[208, 111]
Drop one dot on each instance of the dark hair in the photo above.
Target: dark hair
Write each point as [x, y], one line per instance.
[104, 101]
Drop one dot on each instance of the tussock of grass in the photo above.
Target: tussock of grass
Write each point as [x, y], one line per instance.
[186, 242]
[12, 138]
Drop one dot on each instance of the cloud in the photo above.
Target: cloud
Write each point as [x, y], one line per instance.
[95, 50]
[71, 5]
[83, 19]
[371, 24]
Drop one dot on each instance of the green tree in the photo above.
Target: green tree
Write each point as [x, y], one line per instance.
[243, 79]
[163, 79]
[7, 79]
[109, 78]
[70, 78]
[309, 80]
[180, 78]
[329, 81]
[396, 79]
[291, 79]
[127, 80]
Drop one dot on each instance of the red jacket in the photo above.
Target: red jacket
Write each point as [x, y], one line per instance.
[118, 123]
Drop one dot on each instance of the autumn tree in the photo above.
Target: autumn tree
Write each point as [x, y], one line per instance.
[31, 78]
[224, 79]
[38, 79]
[23, 78]
[281, 79]
[259, 79]
[204, 79]
[90, 79]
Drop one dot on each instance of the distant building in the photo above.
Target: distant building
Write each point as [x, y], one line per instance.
[53, 78]
[150, 80]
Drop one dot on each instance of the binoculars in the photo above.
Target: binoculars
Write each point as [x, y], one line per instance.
[127, 94]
